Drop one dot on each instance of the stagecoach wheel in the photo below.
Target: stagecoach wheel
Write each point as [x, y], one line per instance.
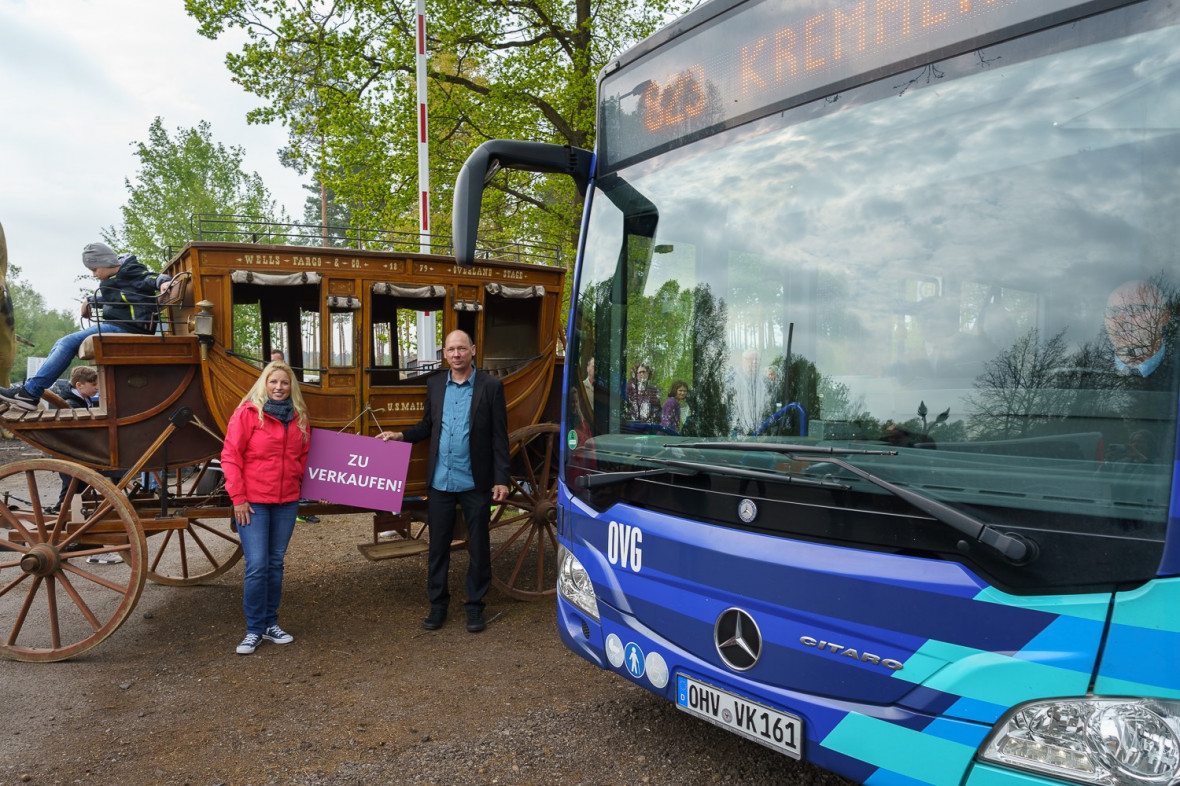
[207, 546]
[202, 550]
[524, 528]
[53, 603]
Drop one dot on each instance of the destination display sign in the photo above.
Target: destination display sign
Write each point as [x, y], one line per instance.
[763, 54]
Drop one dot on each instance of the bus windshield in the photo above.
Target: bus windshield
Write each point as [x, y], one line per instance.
[964, 275]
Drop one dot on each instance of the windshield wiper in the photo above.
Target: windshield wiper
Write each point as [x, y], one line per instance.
[690, 468]
[1012, 547]
[609, 478]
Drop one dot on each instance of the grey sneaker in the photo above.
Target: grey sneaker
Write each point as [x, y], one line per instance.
[110, 558]
[249, 644]
[18, 397]
[278, 635]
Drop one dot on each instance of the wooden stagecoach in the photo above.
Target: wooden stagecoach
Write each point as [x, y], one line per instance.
[165, 400]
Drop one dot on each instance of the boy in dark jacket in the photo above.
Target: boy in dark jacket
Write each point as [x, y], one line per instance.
[127, 294]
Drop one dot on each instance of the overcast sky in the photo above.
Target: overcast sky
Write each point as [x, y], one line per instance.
[80, 82]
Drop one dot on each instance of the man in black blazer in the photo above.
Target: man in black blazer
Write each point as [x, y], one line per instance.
[466, 420]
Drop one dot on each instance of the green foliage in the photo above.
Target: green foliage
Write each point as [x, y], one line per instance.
[178, 178]
[341, 77]
[34, 323]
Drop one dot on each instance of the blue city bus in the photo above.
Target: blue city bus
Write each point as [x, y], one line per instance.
[870, 410]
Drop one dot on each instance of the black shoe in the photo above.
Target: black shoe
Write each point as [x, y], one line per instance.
[436, 619]
[475, 621]
[18, 397]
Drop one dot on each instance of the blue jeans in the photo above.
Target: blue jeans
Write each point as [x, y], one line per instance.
[264, 544]
[60, 357]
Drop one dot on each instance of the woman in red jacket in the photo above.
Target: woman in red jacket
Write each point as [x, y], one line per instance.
[263, 459]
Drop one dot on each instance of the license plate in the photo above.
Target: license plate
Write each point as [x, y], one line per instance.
[774, 729]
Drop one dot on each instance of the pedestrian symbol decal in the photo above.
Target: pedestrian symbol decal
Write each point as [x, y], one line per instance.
[633, 660]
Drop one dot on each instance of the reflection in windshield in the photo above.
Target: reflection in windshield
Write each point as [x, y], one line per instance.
[973, 264]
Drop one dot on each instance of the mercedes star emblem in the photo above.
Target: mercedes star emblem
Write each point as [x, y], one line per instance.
[738, 640]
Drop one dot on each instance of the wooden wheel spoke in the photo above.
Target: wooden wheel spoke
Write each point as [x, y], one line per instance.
[80, 602]
[197, 524]
[511, 539]
[524, 553]
[15, 523]
[10, 586]
[182, 547]
[54, 622]
[155, 563]
[20, 548]
[35, 500]
[89, 576]
[547, 467]
[19, 622]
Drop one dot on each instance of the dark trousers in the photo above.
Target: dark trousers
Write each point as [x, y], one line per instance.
[440, 507]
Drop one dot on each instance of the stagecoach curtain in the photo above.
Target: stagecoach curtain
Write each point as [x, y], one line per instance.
[503, 290]
[468, 305]
[344, 302]
[400, 290]
[274, 279]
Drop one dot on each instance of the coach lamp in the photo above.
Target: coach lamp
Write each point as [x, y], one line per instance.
[202, 325]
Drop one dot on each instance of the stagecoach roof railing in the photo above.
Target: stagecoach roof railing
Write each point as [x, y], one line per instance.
[255, 229]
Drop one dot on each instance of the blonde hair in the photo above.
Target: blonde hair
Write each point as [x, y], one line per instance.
[258, 396]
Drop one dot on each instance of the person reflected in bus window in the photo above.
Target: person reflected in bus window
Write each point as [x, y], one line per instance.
[643, 399]
[1137, 317]
[263, 458]
[676, 410]
[588, 384]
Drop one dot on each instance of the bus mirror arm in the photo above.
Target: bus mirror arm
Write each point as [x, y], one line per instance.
[497, 154]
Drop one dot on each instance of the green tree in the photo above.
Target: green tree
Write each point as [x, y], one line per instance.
[341, 76]
[181, 177]
[35, 323]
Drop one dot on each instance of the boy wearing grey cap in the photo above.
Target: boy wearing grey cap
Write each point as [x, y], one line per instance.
[127, 294]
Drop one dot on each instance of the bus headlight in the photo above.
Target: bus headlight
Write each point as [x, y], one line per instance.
[574, 583]
[1091, 740]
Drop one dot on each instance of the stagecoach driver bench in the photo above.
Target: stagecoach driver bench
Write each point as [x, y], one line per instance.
[127, 294]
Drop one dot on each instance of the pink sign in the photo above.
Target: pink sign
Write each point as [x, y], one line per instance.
[349, 469]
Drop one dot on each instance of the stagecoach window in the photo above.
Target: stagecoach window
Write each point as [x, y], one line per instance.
[278, 311]
[343, 337]
[394, 357]
[511, 329]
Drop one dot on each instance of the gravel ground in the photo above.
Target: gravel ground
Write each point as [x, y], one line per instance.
[363, 696]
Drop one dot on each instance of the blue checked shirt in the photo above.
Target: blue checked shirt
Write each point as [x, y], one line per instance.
[452, 467]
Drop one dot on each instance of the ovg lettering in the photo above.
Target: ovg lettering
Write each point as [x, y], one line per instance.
[623, 546]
